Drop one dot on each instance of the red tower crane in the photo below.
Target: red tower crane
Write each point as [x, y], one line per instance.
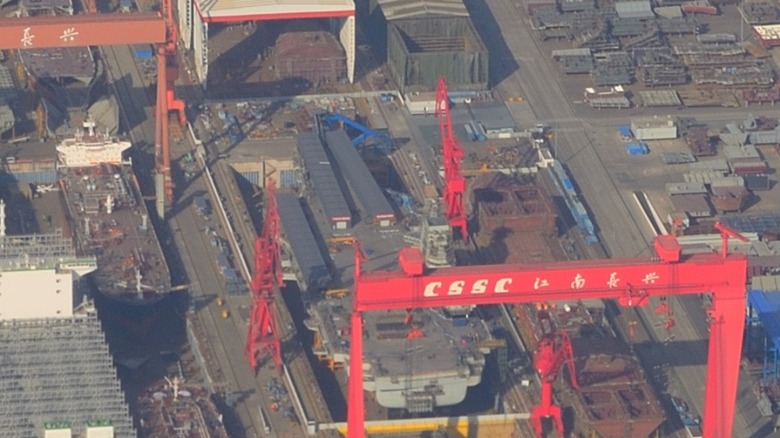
[263, 336]
[632, 282]
[452, 154]
[43, 32]
[554, 350]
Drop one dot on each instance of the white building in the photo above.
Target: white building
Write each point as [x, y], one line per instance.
[654, 128]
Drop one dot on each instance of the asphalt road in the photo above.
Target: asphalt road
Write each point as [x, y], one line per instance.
[521, 69]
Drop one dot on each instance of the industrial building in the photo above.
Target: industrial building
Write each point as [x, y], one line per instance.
[322, 182]
[195, 16]
[422, 41]
[375, 206]
[301, 243]
[654, 128]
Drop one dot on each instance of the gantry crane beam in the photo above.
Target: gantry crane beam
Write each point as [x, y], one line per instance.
[632, 282]
[42, 32]
[46, 32]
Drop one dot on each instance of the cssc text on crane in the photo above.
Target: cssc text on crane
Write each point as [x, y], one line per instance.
[459, 287]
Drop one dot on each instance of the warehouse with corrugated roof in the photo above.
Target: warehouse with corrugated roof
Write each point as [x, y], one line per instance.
[425, 39]
[365, 188]
[321, 181]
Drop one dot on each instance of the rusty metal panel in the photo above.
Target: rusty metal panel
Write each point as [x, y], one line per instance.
[506, 203]
[81, 30]
[315, 56]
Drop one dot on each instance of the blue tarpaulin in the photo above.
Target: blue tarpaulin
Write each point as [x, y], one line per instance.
[767, 306]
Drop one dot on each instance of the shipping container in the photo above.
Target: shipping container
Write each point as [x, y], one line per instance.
[748, 166]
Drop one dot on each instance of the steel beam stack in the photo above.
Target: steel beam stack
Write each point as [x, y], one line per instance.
[615, 68]
[574, 61]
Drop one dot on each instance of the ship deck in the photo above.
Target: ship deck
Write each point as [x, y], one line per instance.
[121, 236]
[394, 348]
[185, 411]
[62, 62]
[444, 348]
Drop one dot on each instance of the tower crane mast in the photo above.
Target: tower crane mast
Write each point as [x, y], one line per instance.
[452, 155]
[554, 350]
[167, 73]
[263, 336]
[631, 282]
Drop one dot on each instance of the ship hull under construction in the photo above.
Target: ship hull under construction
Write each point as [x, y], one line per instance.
[517, 222]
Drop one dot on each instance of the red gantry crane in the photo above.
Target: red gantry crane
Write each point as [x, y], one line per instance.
[554, 350]
[263, 336]
[632, 282]
[452, 153]
[41, 32]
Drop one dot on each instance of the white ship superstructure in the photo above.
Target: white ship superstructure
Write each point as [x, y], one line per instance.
[90, 148]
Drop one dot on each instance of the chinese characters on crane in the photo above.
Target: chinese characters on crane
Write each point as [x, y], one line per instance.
[69, 35]
[27, 37]
[482, 286]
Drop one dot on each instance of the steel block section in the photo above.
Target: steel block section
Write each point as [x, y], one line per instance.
[81, 30]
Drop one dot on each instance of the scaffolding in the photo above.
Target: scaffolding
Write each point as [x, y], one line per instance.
[35, 251]
[59, 371]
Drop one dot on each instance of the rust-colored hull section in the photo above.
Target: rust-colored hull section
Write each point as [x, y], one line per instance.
[81, 30]
[518, 225]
